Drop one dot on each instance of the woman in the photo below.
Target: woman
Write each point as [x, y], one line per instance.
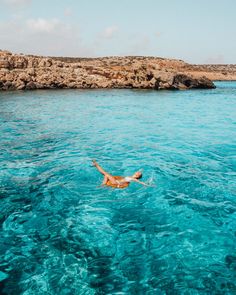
[118, 181]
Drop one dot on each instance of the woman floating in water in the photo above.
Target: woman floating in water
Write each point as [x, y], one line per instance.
[118, 181]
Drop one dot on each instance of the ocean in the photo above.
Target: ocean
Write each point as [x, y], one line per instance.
[62, 233]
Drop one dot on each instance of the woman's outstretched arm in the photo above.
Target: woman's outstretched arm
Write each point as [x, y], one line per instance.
[143, 183]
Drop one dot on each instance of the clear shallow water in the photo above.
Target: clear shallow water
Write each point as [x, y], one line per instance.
[63, 234]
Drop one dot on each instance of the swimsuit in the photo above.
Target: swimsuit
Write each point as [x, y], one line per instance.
[128, 179]
[125, 179]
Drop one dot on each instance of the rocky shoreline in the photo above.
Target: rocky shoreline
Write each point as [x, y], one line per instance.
[27, 72]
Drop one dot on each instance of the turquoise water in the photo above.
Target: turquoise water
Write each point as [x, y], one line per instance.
[61, 233]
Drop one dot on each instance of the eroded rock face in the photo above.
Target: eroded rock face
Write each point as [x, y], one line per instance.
[183, 81]
[18, 72]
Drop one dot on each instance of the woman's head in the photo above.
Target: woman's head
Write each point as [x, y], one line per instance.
[137, 175]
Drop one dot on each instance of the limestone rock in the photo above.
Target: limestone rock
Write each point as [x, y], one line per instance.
[20, 85]
[184, 81]
[4, 64]
[30, 86]
[35, 72]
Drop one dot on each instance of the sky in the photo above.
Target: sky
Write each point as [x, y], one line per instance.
[197, 31]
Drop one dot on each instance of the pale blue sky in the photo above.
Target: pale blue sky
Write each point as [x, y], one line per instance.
[197, 31]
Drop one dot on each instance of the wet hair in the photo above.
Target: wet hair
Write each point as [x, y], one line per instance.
[141, 175]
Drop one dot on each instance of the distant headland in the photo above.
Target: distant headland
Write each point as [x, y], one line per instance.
[28, 72]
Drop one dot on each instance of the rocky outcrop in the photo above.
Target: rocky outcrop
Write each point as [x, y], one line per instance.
[184, 81]
[213, 72]
[22, 72]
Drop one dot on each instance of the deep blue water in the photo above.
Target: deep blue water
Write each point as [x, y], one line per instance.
[61, 233]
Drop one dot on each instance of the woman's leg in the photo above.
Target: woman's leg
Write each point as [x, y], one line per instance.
[102, 171]
[105, 180]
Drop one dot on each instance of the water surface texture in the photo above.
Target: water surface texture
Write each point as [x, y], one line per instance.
[61, 233]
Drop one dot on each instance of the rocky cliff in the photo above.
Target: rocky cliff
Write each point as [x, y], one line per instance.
[24, 72]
